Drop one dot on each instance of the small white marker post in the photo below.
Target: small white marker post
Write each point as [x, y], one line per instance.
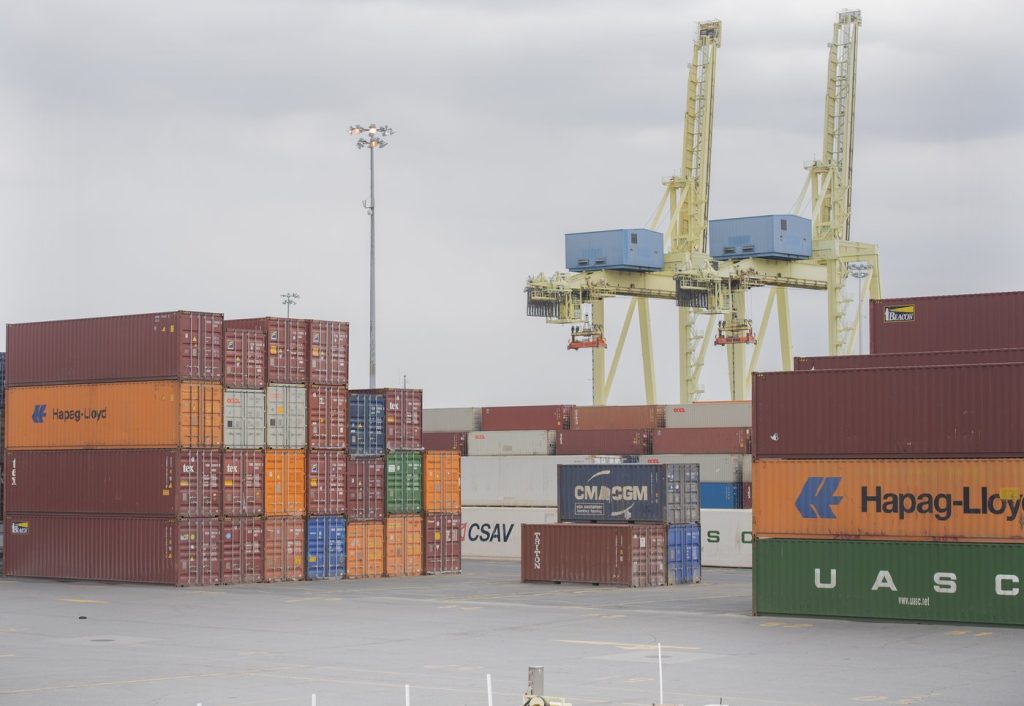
[314, 700]
[490, 696]
[406, 695]
[661, 682]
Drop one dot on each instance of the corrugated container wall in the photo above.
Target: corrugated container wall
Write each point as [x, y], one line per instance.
[325, 547]
[285, 487]
[943, 411]
[712, 440]
[328, 353]
[452, 419]
[628, 493]
[404, 492]
[442, 548]
[403, 418]
[328, 417]
[511, 443]
[244, 473]
[910, 360]
[245, 358]
[365, 424]
[287, 347]
[625, 555]
[286, 417]
[618, 417]
[364, 553]
[366, 483]
[727, 538]
[683, 553]
[555, 417]
[721, 496]
[604, 441]
[242, 549]
[714, 468]
[245, 419]
[403, 545]
[284, 551]
[517, 481]
[442, 482]
[495, 532]
[700, 415]
[179, 345]
[327, 482]
[457, 441]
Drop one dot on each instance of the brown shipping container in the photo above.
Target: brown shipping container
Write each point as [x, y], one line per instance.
[287, 347]
[327, 410]
[748, 496]
[948, 323]
[285, 484]
[364, 550]
[944, 411]
[442, 481]
[245, 358]
[457, 441]
[403, 545]
[403, 417]
[618, 417]
[603, 441]
[326, 482]
[328, 353]
[179, 345]
[712, 440]
[966, 500]
[365, 497]
[284, 548]
[244, 477]
[170, 482]
[241, 550]
[442, 543]
[910, 360]
[160, 414]
[166, 550]
[532, 417]
[624, 555]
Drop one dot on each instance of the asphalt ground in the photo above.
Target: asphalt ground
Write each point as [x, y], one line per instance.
[360, 642]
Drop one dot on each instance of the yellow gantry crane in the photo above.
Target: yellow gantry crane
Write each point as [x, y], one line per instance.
[704, 286]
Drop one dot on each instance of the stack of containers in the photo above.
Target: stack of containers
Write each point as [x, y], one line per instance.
[3, 377]
[889, 486]
[114, 448]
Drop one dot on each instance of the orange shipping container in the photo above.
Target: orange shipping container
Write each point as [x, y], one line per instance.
[285, 483]
[442, 481]
[155, 414]
[923, 499]
[364, 547]
[404, 545]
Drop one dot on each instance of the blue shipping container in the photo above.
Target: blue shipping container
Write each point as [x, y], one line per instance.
[776, 237]
[620, 492]
[366, 433]
[325, 548]
[721, 496]
[624, 249]
[683, 553]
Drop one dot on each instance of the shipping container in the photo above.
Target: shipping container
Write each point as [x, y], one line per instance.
[925, 499]
[641, 416]
[366, 424]
[910, 360]
[452, 419]
[701, 415]
[244, 478]
[748, 496]
[284, 548]
[553, 416]
[496, 532]
[683, 553]
[442, 482]
[603, 441]
[328, 353]
[325, 547]
[944, 411]
[404, 483]
[919, 581]
[403, 545]
[517, 481]
[538, 442]
[178, 345]
[629, 493]
[638, 249]
[442, 549]
[164, 550]
[285, 486]
[366, 484]
[624, 555]
[287, 347]
[726, 538]
[457, 441]
[403, 418]
[245, 419]
[326, 482]
[242, 547]
[721, 496]
[947, 323]
[364, 553]
[245, 358]
[170, 482]
[328, 417]
[286, 417]
[711, 440]
[160, 414]
[714, 468]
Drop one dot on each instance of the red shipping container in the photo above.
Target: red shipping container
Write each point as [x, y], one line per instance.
[326, 482]
[910, 360]
[165, 550]
[623, 442]
[446, 441]
[442, 543]
[944, 411]
[624, 555]
[531, 417]
[403, 417]
[284, 548]
[748, 496]
[287, 347]
[169, 482]
[242, 550]
[179, 345]
[948, 323]
[327, 410]
[243, 485]
[245, 358]
[618, 417]
[365, 497]
[328, 353]
[711, 440]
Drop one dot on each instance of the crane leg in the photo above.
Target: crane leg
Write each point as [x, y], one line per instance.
[600, 390]
[647, 350]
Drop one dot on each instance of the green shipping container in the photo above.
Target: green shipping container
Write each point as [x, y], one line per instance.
[942, 581]
[405, 482]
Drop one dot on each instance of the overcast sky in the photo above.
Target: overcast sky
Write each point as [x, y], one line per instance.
[194, 155]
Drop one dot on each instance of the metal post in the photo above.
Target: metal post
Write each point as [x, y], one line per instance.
[373, 284]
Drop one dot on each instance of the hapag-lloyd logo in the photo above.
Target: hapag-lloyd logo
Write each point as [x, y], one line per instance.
[87, 414]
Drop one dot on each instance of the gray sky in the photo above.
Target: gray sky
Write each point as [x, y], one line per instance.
[194, 155]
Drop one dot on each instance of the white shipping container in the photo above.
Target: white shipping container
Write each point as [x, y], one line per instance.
[245, 419]
[512, 443]
[516, 481]
[494, 532]
[714, 468]
[702, 415]
[286, 416]
[726, 538]
[452, 419]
